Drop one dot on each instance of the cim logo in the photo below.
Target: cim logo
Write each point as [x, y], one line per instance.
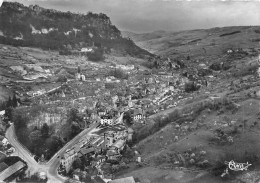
[237, 166]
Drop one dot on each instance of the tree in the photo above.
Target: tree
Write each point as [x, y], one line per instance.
[119, 73]
[45, 130]
[22, 135]
[75, 129]
[35, 138]
[14, 101]
[9, 102]
[32, 178]
[79, 70]
[155, 63]
[19, 119]
[8, 113]
[191, 86]
[77, 164]
[2, 106]
[72, 115]
[97, 55]
[53, 144]
[127, 117]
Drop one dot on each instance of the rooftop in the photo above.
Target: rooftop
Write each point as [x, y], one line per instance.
[3, 166]
[85, 151]
[118, 144]
[11, 170]
[124, 180]
[69, 153]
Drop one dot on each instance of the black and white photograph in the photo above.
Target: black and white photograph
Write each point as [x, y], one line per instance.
[129, 91]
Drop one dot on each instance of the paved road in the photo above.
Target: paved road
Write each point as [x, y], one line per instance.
[54, 162]
[21, 151]
[52, 165]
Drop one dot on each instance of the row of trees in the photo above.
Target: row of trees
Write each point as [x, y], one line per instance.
[11, 102]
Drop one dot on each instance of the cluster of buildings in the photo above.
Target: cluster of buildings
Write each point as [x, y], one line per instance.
[112, 141]
[7, 172]
[136, 97]
[139, 96]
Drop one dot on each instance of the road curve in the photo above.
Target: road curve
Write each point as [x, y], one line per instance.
[52, 165]
[21, 151]
[54, 162]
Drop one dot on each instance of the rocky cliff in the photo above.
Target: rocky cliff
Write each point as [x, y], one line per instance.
[51, 29]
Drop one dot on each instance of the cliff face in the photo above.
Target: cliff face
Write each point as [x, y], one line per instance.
[48, 118]
[52, 29]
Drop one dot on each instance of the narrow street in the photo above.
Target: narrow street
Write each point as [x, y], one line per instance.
[52, 165]
[20, 151]
[54, 162]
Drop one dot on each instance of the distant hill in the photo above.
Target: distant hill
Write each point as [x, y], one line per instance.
[51, 29]
[203, 42]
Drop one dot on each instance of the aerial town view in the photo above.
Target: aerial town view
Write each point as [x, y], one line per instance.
[129, 91]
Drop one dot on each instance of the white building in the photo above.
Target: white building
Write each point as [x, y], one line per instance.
[36, 93]
[138, 114]
[118, 146]
[125, 67]
[106, 120]
[78, 76]
[2, 113]
[68, 158]
[5, 142]
[86, 50]
[82, 77]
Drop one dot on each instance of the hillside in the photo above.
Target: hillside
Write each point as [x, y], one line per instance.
[35, 26]
[204, 42]
[218, 123]
[199, 95]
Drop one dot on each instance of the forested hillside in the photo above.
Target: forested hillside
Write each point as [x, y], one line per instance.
[56, 30]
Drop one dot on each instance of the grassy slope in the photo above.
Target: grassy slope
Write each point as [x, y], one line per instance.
[176, 43]
[160, 144]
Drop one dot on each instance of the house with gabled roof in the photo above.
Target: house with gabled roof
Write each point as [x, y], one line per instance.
[8, 172]
[138, 115]
[68, 158]
[118, 145]
[106, 120]
[114, 152]
[86, 151]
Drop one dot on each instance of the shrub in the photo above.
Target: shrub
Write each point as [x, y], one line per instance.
[118, 73]
[215, 66]
[97, 55]
[257, 31]
[191, 86]
[64, 52]
[230, 33]
[149, 65]
[110, 85]
[62, 79]
[204, 72]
